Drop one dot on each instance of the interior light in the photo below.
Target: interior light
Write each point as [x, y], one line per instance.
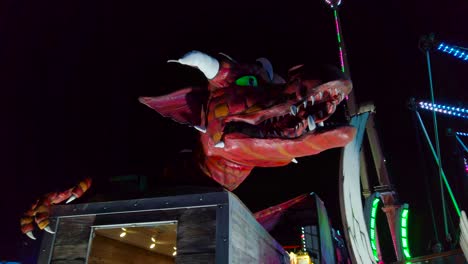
[152, 239]
[123, 234]
[175, 253]
[152, 245]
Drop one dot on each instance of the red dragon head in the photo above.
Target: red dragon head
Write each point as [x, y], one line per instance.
[248, 116]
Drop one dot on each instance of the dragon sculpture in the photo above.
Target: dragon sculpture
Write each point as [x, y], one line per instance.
[247, 117]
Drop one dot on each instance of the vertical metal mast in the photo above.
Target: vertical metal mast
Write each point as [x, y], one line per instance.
[387, 193]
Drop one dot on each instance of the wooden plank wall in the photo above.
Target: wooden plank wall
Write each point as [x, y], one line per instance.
[71, 240]
[249, 241]
[196, 233]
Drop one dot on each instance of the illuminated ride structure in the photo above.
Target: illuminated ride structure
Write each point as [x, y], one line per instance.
[362, 234]
[358, 220]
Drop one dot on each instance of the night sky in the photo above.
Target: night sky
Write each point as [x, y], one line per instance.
[71, 73]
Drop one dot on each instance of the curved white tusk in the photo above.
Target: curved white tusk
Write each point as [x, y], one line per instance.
[30, 235]
[266, 64]
[49, 230]
[205, 63]
[73, 197]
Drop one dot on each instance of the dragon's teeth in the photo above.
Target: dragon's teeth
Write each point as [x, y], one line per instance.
[319, 96]
[305, 103]
[293, 109]
[312, 100]
[341, 97]
[331, 109]
[320, 124]
[294, 160]
[311, 123]
[219, 144]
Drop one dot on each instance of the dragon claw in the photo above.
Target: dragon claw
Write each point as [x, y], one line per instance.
[30, 235]
[40, 210]
[72, 198]
[49, 230]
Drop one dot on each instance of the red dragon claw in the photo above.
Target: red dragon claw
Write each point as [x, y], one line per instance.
[40, 210]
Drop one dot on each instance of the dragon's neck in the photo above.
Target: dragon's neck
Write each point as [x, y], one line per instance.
[227, 173]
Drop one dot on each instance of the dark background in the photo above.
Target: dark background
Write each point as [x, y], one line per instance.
[71, 73]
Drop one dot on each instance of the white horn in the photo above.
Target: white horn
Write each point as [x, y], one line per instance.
[266, 64]
[205, 63]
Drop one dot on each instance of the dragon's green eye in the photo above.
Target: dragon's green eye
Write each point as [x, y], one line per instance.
[247, 80]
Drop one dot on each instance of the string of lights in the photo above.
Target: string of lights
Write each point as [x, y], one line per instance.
[458, 52]
[445, 109]
[303, 239]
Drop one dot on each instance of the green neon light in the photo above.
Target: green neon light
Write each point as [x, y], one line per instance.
[337, 28]
[372, 231]
[404, 214]
[407, 254]
[404, 233]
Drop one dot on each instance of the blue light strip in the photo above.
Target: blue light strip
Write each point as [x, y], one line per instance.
[460, 53]
[445, 109]
[462, 134]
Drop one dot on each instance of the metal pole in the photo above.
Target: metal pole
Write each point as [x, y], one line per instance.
[461, 143]
[455, 204]
[436, 135]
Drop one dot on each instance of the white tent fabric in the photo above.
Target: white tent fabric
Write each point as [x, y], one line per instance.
[350, 197]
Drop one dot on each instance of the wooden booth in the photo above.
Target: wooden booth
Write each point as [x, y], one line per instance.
[198, 228]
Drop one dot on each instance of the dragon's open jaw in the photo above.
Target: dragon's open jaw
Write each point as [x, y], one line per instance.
[290, 120]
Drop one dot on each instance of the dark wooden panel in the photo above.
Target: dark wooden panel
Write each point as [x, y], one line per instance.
[71, 240]
[196, 231]
[108, 251]
[207, 258]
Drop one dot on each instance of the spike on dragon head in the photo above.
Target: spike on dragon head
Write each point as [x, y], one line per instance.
[248, 116]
